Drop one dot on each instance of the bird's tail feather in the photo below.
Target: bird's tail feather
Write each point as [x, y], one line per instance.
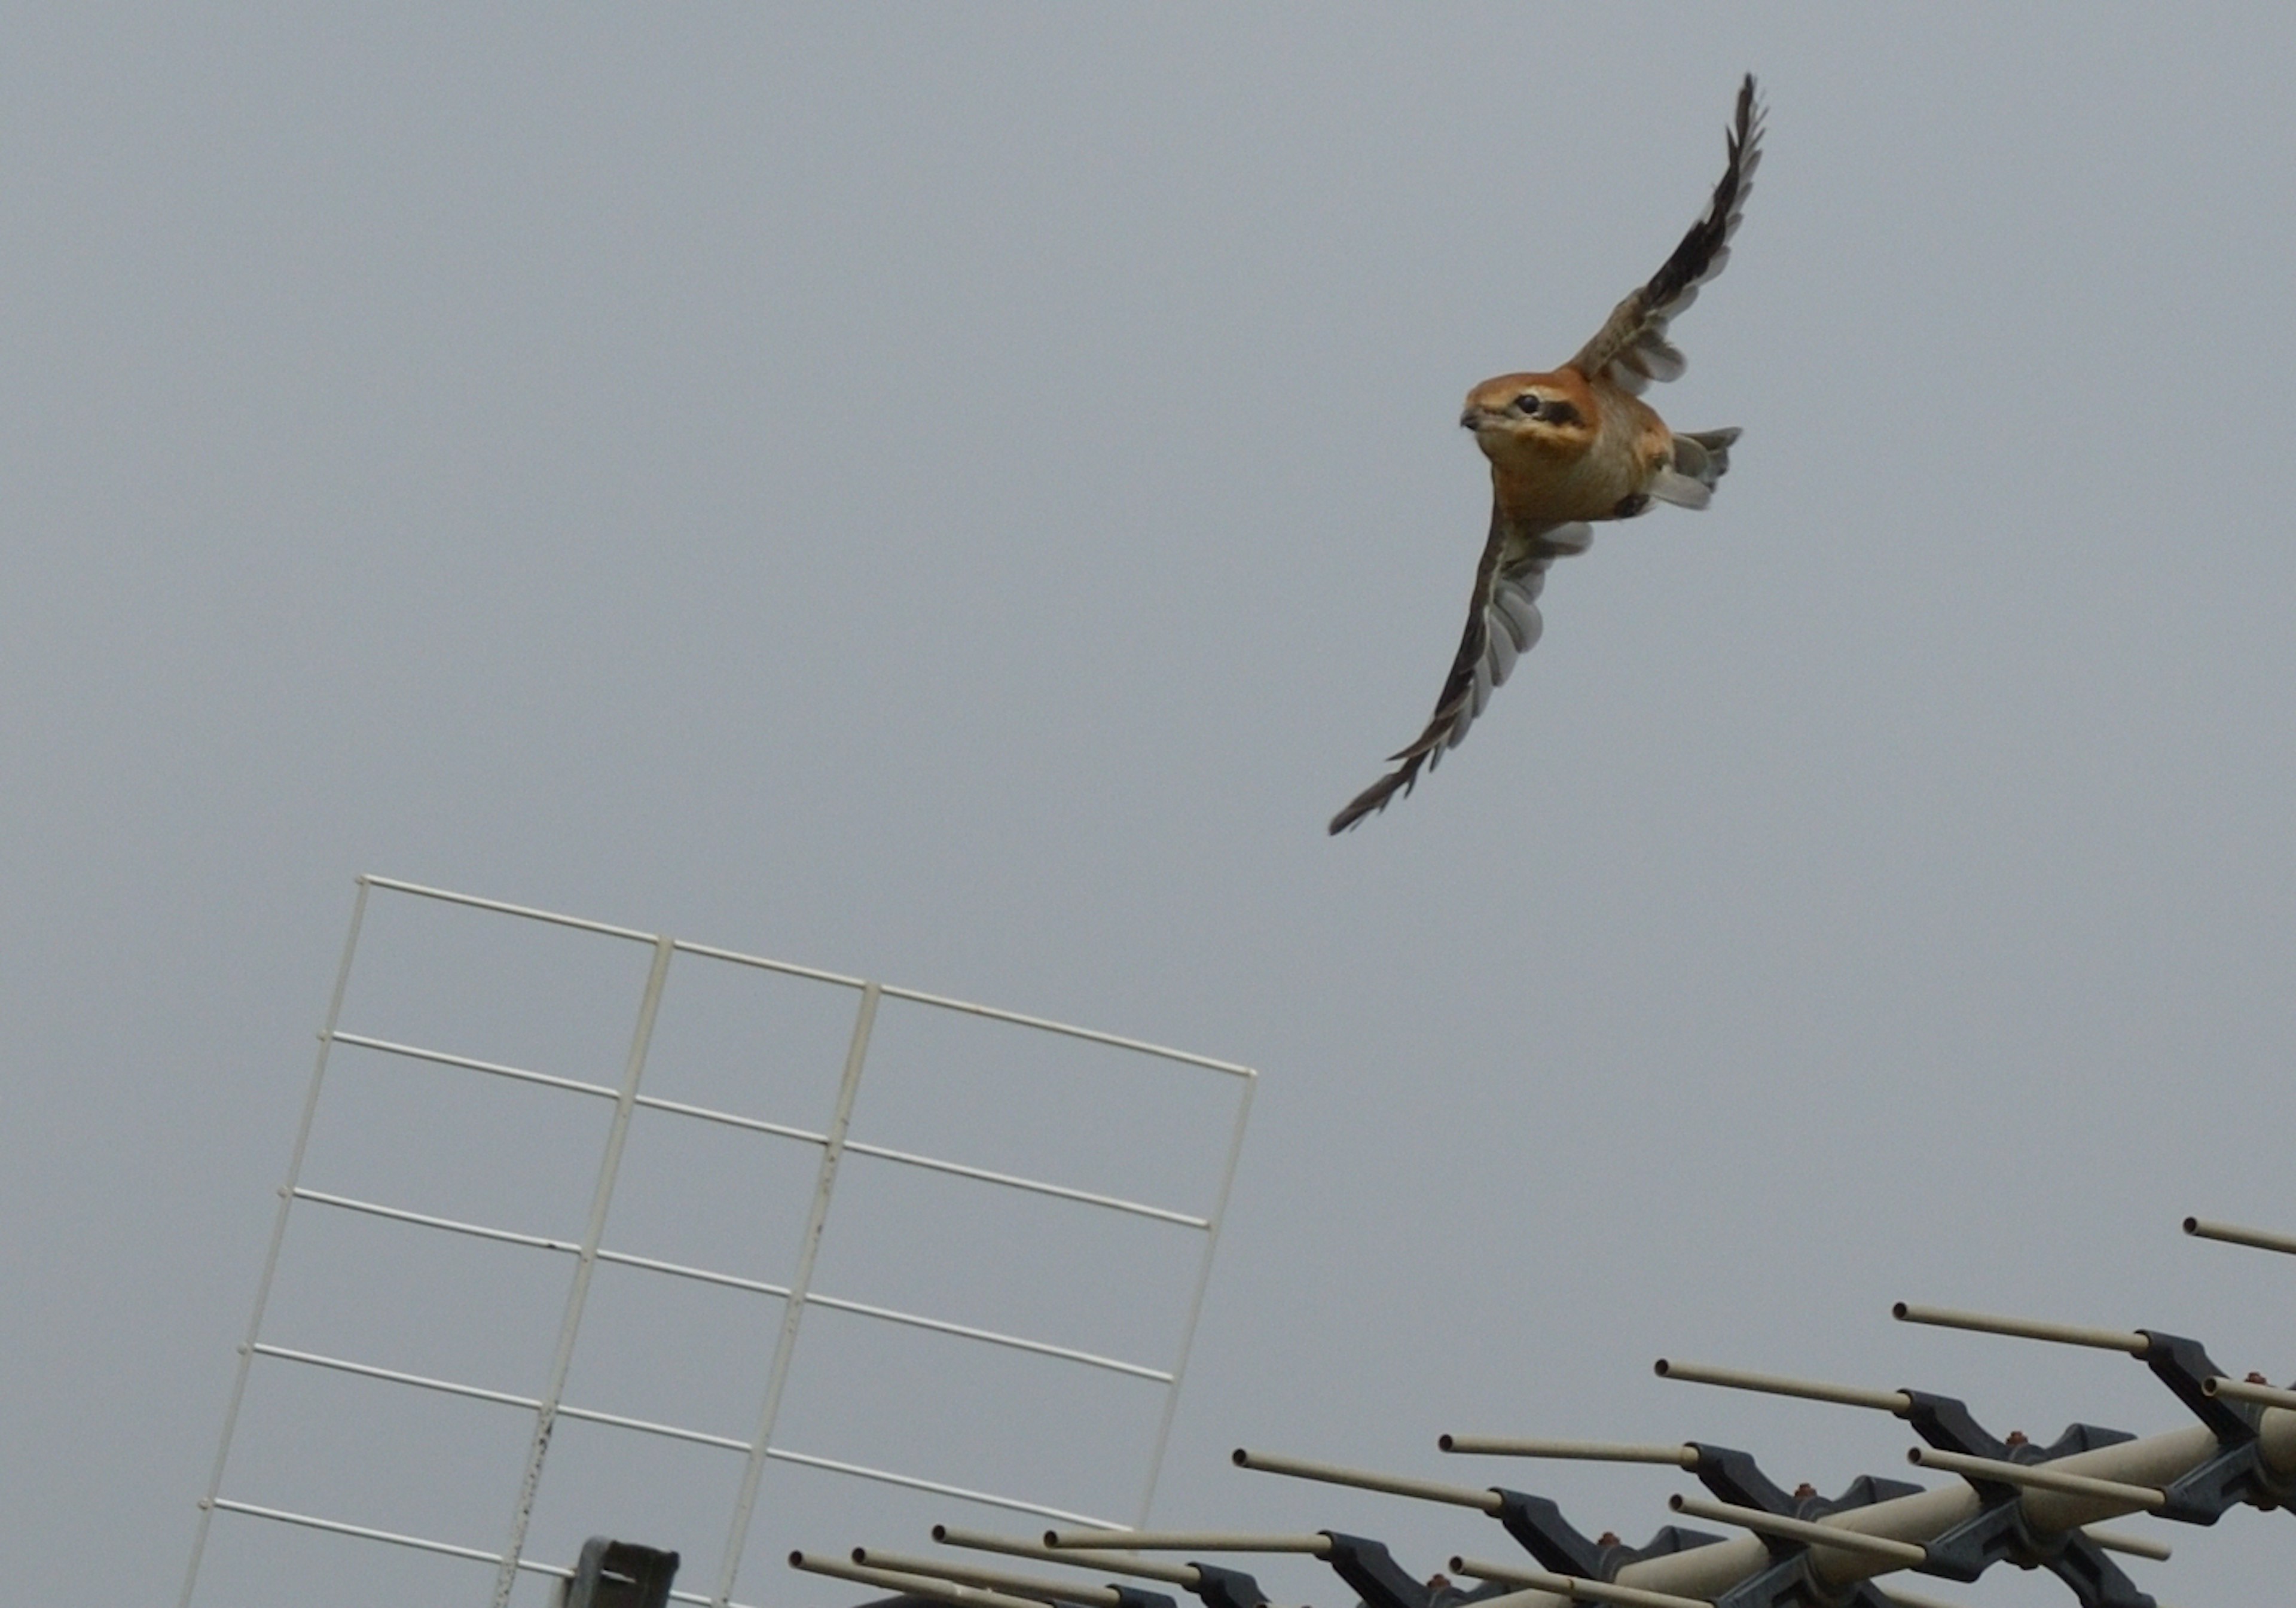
[1701, 458]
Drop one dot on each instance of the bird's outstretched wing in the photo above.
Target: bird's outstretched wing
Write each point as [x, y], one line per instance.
[1631, 349]
[1502, 621]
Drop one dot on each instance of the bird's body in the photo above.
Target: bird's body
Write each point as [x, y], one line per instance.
[1570, 448]
[1593, 450]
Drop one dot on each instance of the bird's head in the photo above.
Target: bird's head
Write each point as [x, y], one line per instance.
[1544, 414]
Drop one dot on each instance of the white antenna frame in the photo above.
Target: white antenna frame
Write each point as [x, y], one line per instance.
[797, 1295]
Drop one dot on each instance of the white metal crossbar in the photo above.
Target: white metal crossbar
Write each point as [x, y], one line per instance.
[783, 1130]
[831, 1141]
[368, 1532]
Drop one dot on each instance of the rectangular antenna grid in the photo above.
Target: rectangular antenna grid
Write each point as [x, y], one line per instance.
[833, 1139]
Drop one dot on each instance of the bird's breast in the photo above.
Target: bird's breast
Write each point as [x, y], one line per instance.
[1602, 475]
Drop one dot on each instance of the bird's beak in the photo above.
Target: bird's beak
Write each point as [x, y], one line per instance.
[1471, 418]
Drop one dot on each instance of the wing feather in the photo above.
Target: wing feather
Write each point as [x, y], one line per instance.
[1503, 623]
[1631, 349]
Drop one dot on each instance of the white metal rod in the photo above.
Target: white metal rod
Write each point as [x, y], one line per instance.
[649, 1427]
[278, 1239]
[912, 995]
[1395, 1485]
[1582, 1451]
[911, 1482]
[500, 908]
[416, 1543]
[755, 1125]
[422, 1220]
[1162, 1052]
[883, 1152]
[2040, 1476]
[493, 1069]
[2231, 1234]
[425, 1220]
[710, 952]
[2241, 1389]
[910, 1584]
[559, 1571]
[780, 1131]
[1572, 1586]
[1773, 1384]
[755, 1286]
[833, 1149]
[601, 1195]
[996, 1579]
[1186, 1540]
[1897, 1554]
[2136, 1547]
[1196, 1300]
[965, 1008]
[446, 1387]
[368, 1533]
[1185, 1575]
[1033, 1185]
[2022, 1328]
[1039, 1347]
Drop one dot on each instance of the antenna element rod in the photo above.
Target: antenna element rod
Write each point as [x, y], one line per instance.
[1394, 1485]
[2023, 1328]
[2136, 1547]
[939, 1591]
[2230, 1234]
[2240, 1389]
[1583, 1451]
[2040, 1476]
[1183, 1540]
[1808, 1389]
[996, 1579]
[1899, 1553]
[1184, 1575]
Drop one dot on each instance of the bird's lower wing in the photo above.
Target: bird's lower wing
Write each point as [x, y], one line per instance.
[1503, 622]
[1631, 349]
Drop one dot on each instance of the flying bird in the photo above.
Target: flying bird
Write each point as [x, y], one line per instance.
[1570, 449]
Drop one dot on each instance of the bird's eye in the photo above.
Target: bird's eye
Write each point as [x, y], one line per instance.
[1526, 405]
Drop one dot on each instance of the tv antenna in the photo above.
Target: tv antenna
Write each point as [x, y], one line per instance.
[489, 1074]
[2004, 1499]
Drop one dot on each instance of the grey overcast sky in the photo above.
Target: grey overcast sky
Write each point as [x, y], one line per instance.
[960, 495]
